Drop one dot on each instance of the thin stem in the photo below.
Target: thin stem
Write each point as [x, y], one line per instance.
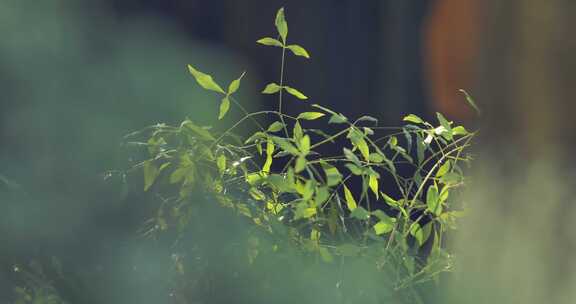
[281, 90]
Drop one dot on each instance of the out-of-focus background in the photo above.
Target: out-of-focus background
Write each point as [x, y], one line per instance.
[75, 76]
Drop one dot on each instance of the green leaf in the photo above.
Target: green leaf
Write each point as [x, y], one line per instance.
[235, 84]
[271, 88]
[360, 213]
[285, 145]
[281, 24]
[300, 164]
[201, 132]
[433, 201]
[221, 163]
[337, 119]
[460, 130]
[333, 176]
[444, 122]
[373, 184]
[270, 42]
[205, 80]
[471, 102]
[393, 141]
[269, 152]
[350, 201]
[304, 145]
[150, 173]
[413, 118]
[421, 234]
[354, 169]
[450, 178]
[357, 139]
[297, 131]
[351, 157]
[295, 92]
[443, 169]
[383, 227]
[257, 194]
[376, 158]
[310, 115]
[224, 107]
[275, 126]
[298, 50]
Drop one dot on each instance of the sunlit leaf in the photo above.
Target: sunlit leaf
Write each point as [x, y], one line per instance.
[275, 126]
[270, 42]
[373, 183]
[221, 163]
[443, 169]
[300, 164]
[433, 201]
[269, 152]
[446, 124]
[295, 93]
[298, 50]
[297, 131]
[333, 176]
[304, 145]
[224, 107]
[271, 88]
[205, 80]
[310, 115]
[235, 84]
[337, 119]
[421, 234]
[281, 24]
[383, 227]
[413, 118]
[350, 201]
[460, 130]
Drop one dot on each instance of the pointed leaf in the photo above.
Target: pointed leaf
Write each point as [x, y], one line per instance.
[350, 201]
[275, 126]
[205, 80]
[471, 102]
[235, 84]
[413, 118]
[271, 88]
[224, 107]
[300, 164]
[310, 115]
[281, 24]
[298, 50]
[270, 42]
[295, 93]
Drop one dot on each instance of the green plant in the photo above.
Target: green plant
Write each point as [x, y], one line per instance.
[329, 209]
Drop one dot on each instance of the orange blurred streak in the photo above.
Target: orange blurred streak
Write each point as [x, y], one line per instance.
[451, 46]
